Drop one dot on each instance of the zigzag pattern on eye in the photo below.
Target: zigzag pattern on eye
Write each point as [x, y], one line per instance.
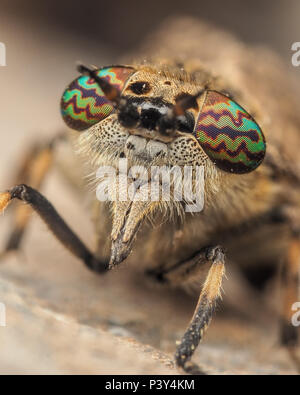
[87, 112]
[111, 78]
[214, 132]
[229, 135]
[92, 93]
[94, 98]
[236, 120]
[242, 148]
[83, 103]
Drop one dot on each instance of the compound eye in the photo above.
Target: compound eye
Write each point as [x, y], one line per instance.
[84, 104]
[229, 135]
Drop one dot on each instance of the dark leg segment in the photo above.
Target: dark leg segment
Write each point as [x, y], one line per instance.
[55, 223]
[211, 291]
[289, 334]
[205, 307]
[32, 171]
[204, 310]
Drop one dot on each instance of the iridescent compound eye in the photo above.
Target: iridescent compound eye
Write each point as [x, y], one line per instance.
[83, 103]
[229, 135]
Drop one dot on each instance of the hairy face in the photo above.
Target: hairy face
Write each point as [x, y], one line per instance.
[163, 116]
[166, 105]
[153, 93]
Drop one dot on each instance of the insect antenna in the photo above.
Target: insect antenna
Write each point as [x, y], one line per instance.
[185, 103]
[111, 92]
[128, 114]
[168, 123]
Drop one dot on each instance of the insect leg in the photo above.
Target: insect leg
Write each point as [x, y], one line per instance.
[289, 334]
[206, 304]
[33, 171]
[54, 222]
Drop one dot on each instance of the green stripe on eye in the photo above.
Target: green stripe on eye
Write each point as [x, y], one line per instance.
[84, 104]
[229, 135]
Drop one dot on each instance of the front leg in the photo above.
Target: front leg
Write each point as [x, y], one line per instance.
[33, 171]
[209, 295]
[55, 223]
[211, 291]
[290, 284]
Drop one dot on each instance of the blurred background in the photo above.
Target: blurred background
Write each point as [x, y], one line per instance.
[56, 308]
[122, 25]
